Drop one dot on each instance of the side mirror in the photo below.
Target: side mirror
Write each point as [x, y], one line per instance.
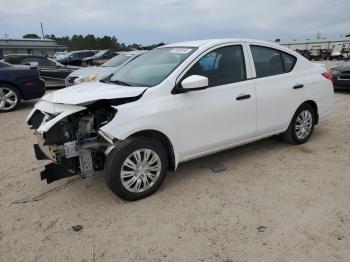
[194, 82]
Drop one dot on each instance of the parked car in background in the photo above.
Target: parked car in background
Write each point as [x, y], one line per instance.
[304, 53]
[99, 58]
[336, 53]
[59, 55]
[19, 83]
[315, 54]
[95, 73]
[175, 103]
[341, 76]
[51, 71]
[75, 57]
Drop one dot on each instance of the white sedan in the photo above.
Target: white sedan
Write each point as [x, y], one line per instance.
[176, 103]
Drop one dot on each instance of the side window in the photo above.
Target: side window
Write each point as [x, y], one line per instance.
[267, 61]
[40, 60]
[87, 54]
[14, 60]
[222, 66]
[288, 62]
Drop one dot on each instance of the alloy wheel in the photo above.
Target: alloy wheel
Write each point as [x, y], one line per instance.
[140, 170]
[303, 124]
[8, 99]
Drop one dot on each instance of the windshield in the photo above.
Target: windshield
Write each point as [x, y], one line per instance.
[152, 67]
[117, 60]
[66, 55]
[57, 63]
[100, 53]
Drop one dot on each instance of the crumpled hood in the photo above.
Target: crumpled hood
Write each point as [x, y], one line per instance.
[87, 93]
[93, 70]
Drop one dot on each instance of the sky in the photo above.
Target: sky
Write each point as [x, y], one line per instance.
[153, 21]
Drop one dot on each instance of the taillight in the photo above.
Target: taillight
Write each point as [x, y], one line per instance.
[327, 75]
[29, 84]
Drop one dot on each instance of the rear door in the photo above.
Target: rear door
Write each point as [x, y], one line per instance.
[277, 87]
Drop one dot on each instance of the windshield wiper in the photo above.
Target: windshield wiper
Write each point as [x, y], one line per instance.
[118, 82]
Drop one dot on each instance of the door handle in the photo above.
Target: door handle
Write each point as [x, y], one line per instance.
[298, 86]
[243, 96]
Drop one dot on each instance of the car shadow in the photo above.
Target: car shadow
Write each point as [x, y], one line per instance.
[25, 105]
[342, 91]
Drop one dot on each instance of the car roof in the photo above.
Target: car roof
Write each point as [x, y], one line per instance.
[82, 51]
[21, 55]
[199, 43]
[135, 52]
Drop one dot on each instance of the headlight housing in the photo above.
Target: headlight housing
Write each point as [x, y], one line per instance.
[83, 79]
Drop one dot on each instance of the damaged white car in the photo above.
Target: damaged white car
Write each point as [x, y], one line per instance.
[175, 103]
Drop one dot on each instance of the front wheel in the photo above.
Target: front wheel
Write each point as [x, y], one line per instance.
[302, 125]
[136, 168]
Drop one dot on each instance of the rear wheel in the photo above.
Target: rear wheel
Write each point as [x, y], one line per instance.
[136, 168]
[302, 125]
[9, 98]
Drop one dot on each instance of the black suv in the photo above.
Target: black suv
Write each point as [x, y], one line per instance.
[99, 58]
[51, 71]
[75, 57]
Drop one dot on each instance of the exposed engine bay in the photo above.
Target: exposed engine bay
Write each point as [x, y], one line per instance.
[73, 142]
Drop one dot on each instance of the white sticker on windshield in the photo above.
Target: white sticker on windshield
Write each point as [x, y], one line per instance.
[180, 50]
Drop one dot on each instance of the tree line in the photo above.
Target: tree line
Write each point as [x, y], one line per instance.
[90, 42]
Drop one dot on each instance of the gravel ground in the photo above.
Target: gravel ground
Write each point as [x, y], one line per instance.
[274, 202]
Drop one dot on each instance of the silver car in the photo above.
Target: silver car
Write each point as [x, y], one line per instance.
[96, 73]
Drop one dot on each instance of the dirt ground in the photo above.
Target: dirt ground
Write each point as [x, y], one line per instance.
[275, 202]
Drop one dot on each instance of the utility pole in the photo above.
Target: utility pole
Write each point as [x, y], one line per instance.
[42, 29]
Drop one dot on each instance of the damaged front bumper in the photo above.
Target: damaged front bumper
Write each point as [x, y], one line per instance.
[59, 139]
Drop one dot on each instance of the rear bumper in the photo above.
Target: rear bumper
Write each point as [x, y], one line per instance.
[37, 90]
[341, 83]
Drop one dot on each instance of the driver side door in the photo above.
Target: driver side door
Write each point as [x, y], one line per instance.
[222, 115]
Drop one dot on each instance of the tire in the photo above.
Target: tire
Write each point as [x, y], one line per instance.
[119, 173]
[10, 98]
[295, 136]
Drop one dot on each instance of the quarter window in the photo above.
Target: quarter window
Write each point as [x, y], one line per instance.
[288, 62]
[269, 61]
[222, 66]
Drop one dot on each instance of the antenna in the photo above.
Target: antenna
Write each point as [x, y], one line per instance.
[42, 29]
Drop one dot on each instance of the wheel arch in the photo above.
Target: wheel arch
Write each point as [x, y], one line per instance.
[315, 108]
[165, 141]
[12, 85]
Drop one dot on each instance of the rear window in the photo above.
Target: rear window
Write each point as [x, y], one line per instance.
[2, 64]
[14, 60]
[269, 61]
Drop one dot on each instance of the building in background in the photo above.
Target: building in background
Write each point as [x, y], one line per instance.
[312, 44]
[42, 47]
